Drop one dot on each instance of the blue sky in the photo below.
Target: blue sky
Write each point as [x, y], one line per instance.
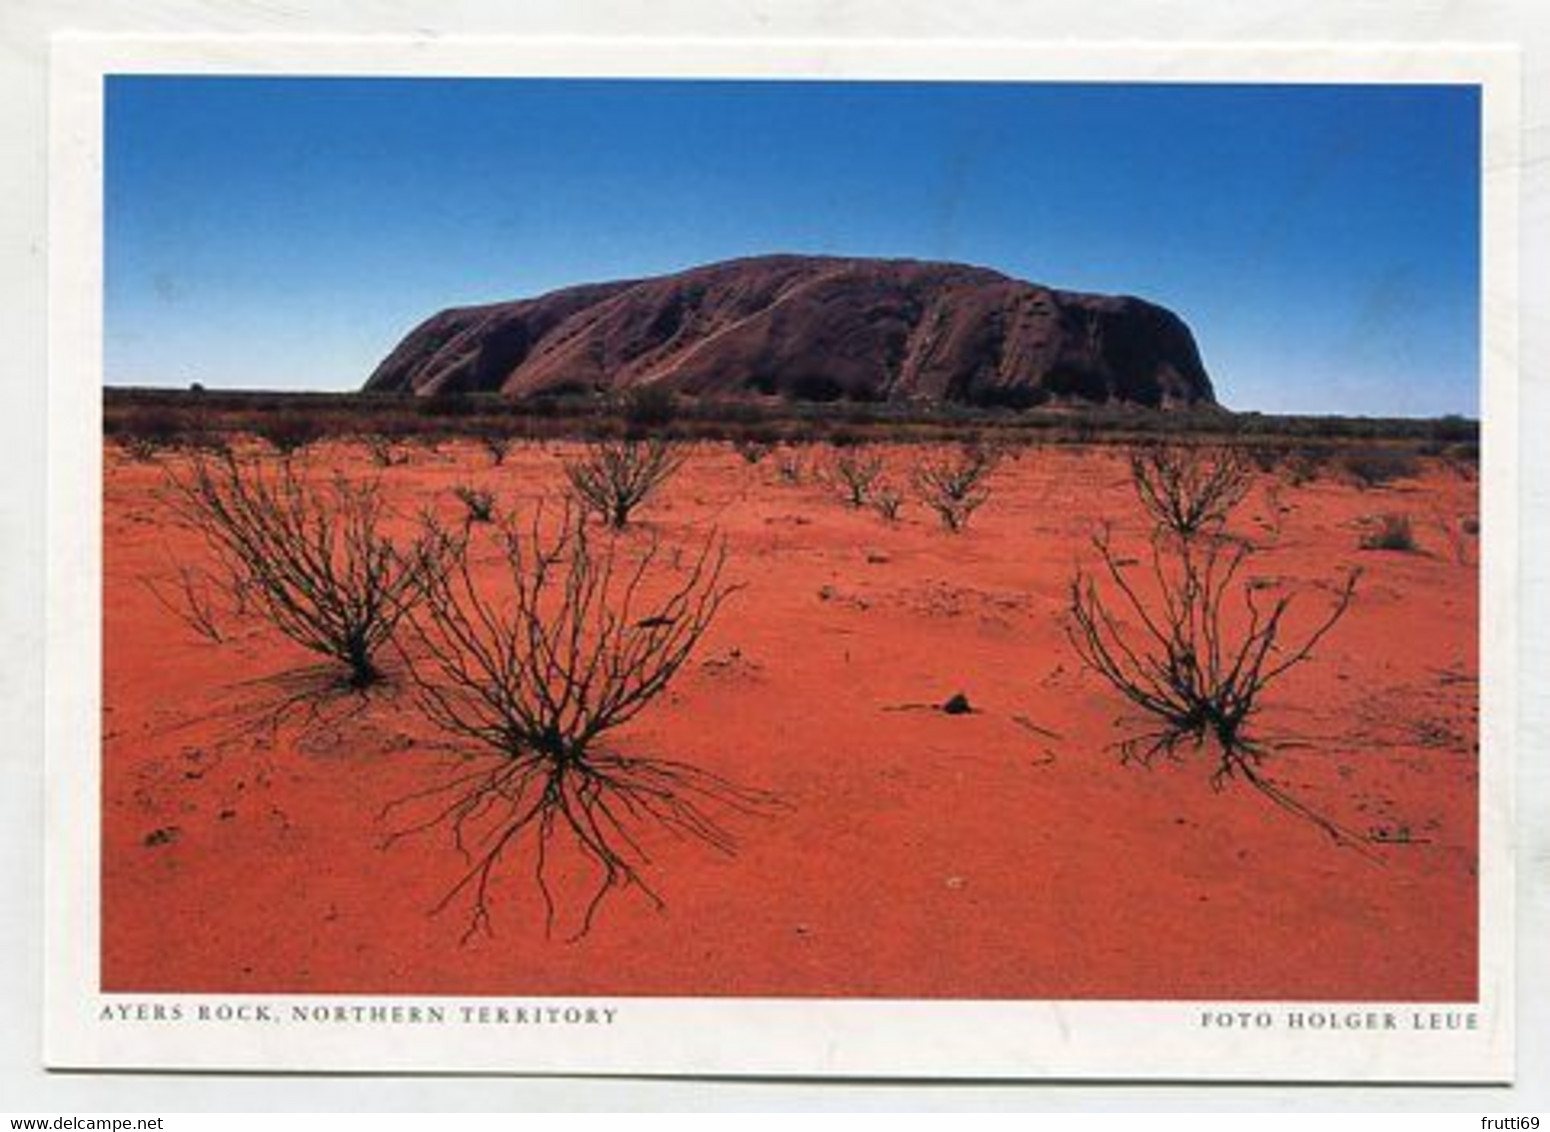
[1321, 241]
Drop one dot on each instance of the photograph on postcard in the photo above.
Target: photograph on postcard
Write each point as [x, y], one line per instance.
[722, 538]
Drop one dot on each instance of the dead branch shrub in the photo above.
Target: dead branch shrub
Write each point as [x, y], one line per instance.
[1391, 532]
[614, 477]
[1376, 467]
[854, 475]
[1188, 489]
[313, 560]
[1195, 668]
[497, 446]
[531, 678]
[954, 486]
[886, 501]
[788, 466]
[478, 503]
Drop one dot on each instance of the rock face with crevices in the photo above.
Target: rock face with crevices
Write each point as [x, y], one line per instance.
[817, 329]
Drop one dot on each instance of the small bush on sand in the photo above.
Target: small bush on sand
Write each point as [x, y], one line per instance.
[1198, 670]
[886, 501]
[614, 477]
[752, 451]
[497, 445]
[788, 466]
[1188, 489]
[312, 559]
[1391, 532]
[955, 486]
[854, 474]
[478, 503]
[532, 677]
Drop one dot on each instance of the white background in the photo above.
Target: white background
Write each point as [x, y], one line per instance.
[24, 27]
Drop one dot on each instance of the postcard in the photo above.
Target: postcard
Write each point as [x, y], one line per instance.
[854, 559]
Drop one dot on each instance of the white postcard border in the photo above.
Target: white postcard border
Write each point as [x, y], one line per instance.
[85, 1028]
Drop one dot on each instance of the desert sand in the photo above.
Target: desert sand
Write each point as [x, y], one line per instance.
[1000, 853]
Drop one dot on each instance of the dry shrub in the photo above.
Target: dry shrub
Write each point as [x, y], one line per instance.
[497, 445]
[614, 477]
[752, 451]
[854, 475]
[788, 466]
[530, 673]
[1189, 489]
[1198, 668]
[954, 486]
[478, 503]
[312, 559]
[886, 501]
[1391, 532]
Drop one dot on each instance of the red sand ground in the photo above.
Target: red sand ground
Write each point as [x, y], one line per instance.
[922, 854]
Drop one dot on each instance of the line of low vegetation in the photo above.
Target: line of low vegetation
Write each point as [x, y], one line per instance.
[171, 418]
